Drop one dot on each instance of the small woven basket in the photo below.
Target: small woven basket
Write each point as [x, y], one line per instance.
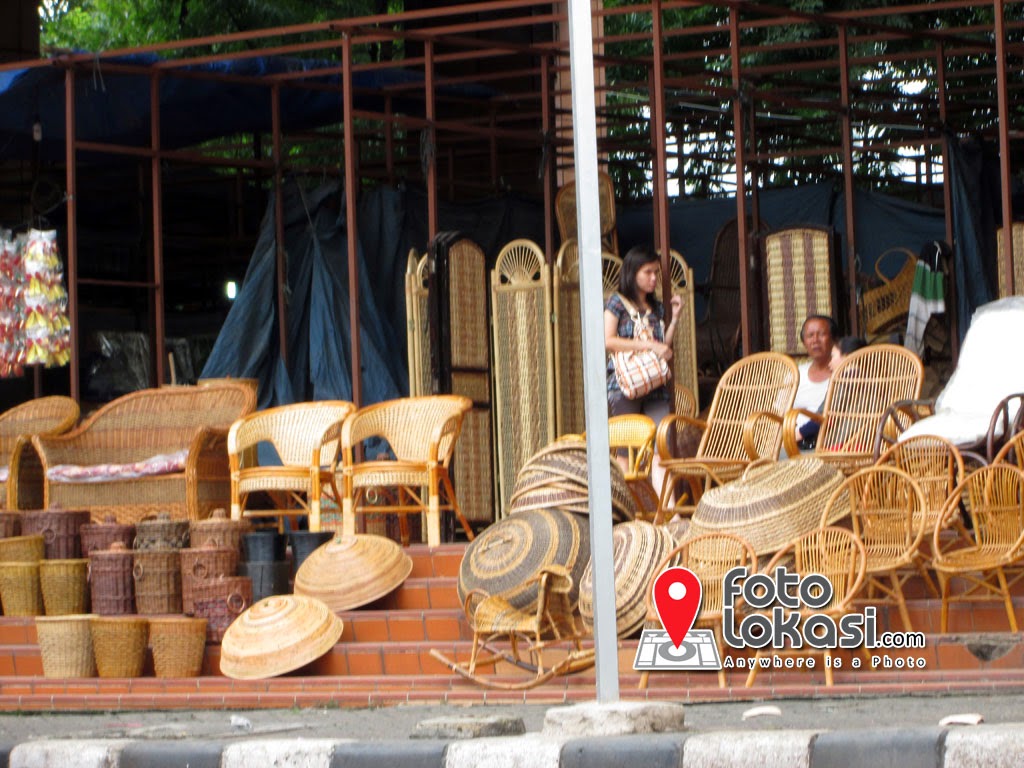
[220, 601]
[60, 528]
[99, 536]
[19, 589]
[10, 524]
[22, 549]
[218, 530]
[161, 532]
[65, 586]
[65, 645]
[202, 564]
[111, 584]
[119, 644]
[179, 644]
[157, 575]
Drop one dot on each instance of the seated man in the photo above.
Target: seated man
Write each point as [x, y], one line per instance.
[818, 335]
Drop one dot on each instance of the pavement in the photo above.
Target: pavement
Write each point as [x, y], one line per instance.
[816, 733]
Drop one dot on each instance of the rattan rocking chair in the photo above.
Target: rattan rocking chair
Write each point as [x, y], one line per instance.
[43, 416]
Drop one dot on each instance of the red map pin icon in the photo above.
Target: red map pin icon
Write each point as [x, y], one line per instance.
[677, 599]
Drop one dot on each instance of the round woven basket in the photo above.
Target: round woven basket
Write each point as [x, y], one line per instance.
[161, 532]
[22, 549]
[19, 589]
[639, 547]
[10, 524]
[60, 529]
[277, 635]
[770, 505]
[218, 530]
[157, 575]
[201, 564]
[220, 601]
[65, 645]
[99, 536]
[346, 573]
[119, 644]
[178, 644]
[65, 586]
[111, 585]
[503, 558]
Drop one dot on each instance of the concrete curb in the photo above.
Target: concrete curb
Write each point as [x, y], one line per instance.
[983, 746]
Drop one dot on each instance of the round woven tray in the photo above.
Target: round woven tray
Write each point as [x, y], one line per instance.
[770, 505]
[277, 635]
[65, 586]
[178, 644]
[639, 547]
[218, 530]
[346, 573]
[157, 575]
[99, 536]
[60, 529]
[111, 584]
[22, 549]
[19, 589]
[119, 645]
[65, 646]
[505, 556]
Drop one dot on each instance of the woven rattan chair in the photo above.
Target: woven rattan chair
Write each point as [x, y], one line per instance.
[836, 553]
[43, 416]
[861, 390]
[565, 211]
[710, 556]
[886, 306]
[994, 499]
[885, 507]
[632, 436]
[421, 432]
[743, 424]
[305, 437]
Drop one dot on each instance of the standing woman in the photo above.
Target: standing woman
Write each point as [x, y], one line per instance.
[635, 300]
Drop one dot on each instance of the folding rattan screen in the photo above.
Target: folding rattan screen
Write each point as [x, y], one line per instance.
[523, 359]
[565, 211]
[417, 338]
[684, 343]
[798, 283]
[1017, 234]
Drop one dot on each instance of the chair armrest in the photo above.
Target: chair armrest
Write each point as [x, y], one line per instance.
[789, 428]
[750, 425]
[207, 443]
[898, 417]
[443, 438]
[1001, 416]
[664, 450]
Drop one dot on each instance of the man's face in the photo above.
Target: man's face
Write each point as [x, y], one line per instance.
[817, 338]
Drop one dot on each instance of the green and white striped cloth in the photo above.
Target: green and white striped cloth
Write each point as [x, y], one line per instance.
[927, 298]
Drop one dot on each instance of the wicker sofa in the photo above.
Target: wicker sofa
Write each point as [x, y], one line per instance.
[150, 451]
[42, 416]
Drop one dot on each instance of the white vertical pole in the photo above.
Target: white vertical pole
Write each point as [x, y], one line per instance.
[584, 124]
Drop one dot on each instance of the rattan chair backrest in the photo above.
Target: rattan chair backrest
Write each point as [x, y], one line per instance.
[798, 281]
[934, 462]
[295, 431]
[684, 342]
[42, 416]
[710, 556]
[418, 429]
[1012, 451]
[634, 433]
[993, 498]
[565, 210]
[836, 553]
[418, 332]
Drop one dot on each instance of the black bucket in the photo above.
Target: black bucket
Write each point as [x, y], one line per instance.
[304, 542]
[267, 578]
[264, 547]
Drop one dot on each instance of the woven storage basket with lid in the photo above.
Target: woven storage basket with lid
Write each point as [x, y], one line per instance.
[65, 585]
[201, 564]
[505, 556]
[10, 524]
[348, 572]
[218, 530]
[60, 529]
[22, 549]
[178, 643]
[277, 635]
[770, 505]
[220, 601]
[19, 589]
[161, 532]
[65, 645]
[157, 575]
[99, 536]
[639, 547]
[119, 644]
[111, 584]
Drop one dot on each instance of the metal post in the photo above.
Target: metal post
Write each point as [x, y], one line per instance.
[1004, 147]
[351, 146]
[851, 223]
[947, 194]
[156, 180]
[661, 225]
[279, 254]
[548, 154]
[431, 174]
[70, 175]
[741, 182]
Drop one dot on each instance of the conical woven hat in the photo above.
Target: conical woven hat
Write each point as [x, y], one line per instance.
[277, 635]
[639, 548]
[346, 573]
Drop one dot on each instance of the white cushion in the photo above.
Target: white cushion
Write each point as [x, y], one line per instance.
[161, 464]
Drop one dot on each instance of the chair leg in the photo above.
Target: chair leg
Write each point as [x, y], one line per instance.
[450, 494]
[348, 515]
[1007, 600]
[828, 667]
[944, 594]
[897, 591]
[752, 674]
[314, 515]
[434, 518]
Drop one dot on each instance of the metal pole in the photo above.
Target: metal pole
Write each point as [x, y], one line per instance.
[431, 132]
[741, 182]
[156, 180]
[71, 173]
[279, 254]
[1004, 147]
[584, 119]
[947, 194]
[548, 154]
[851, 224]
[350, 219]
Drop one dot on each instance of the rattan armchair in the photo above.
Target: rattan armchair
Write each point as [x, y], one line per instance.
[744, 423]
[633, 436]
[421, 432]
[885, 306]
[836, 553]
[22, 484]
[305, 438]
[993, 497]
[860, 391]
[885, 507]
[710, 556]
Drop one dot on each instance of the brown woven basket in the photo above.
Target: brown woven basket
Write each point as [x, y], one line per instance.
[220, 610]
[111, 584]
[65, 645]
[119, 644]
[218, 530]
[10, 524]
[178, 644]
[65, 586]
[157, 575]
[202, 564]
[99, 536]
[19, 589]
[22, 549]
[161, 532]
[60, 529]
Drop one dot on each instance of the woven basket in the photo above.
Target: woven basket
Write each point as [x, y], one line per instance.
[201, 564]
[267, 578]
[19, 589]
[111, 584]
[178, 644]
[22, 549]
[65, 586]
[100, 536]
[60, 529]
[218, 530]
[157, 575]
[65, 645]
[119, 644]
[220, 601]
[349, 572]
[10, 524]
[161, 532]
[770, 505]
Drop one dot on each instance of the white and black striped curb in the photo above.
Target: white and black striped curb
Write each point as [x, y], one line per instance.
[984, 746]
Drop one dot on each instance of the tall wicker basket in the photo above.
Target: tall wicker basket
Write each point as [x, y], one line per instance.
[220, 601]
[97, 537]
[10, 524]
[22, 549]
[202, 564]
[19, 589]
[65, 645]
[110, 581]
[60, 529]
[161, 532]
[119, 644]
[218, 530]
[65, 586]
[178, 643]
[157, 575]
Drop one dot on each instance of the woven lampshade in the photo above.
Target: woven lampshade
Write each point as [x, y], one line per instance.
[503, 558]
[639, 547]
[770, 505]
[277, 635]
[348, 572]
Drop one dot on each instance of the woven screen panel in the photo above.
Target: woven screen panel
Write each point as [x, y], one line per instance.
[418, 340]
[467, 280]
[568, 340]
[1017, 234]
[684, 343]
[798, 276]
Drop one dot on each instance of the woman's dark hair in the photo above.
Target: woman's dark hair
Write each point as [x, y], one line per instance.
[635, 258]
[850, 344]
[833, 328]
